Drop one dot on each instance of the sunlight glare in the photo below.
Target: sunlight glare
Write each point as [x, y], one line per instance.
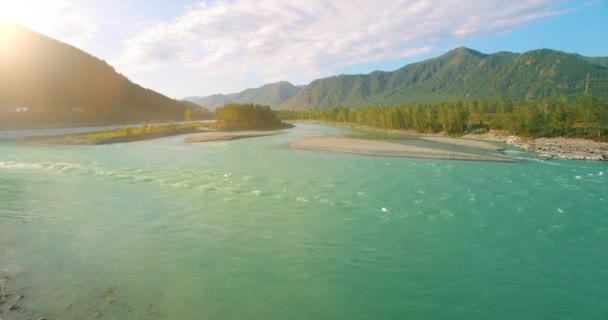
[7, 30]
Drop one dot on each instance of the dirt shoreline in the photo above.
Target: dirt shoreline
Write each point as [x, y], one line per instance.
[546, 148]
[200, 134]
[228, 135]
[384, 148]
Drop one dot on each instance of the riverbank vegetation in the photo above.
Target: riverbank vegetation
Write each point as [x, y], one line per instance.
[124, 134]
[247, 117]
[586, 117]
[232, 117]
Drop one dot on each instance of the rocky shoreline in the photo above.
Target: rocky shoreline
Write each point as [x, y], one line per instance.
[16, 303]
[563, 148]
[551, 148]
[10, 302]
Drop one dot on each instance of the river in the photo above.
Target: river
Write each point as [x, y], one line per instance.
[250, 229]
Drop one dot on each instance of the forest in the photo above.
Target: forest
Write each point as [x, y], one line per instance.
[249, 116]
[585, 117]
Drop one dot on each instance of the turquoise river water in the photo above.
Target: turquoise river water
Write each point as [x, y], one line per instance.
[251, 229]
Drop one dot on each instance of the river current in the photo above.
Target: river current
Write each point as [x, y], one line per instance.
[251, 229]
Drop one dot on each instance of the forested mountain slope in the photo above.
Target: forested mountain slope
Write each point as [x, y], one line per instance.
[460, 74]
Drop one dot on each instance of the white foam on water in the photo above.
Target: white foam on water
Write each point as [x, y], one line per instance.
[578, 177]
[257, 192]
[549, 162]
[384, 209]
[301, 199]
[601, 173]
[53, 166]
[513, 151]
[560, 210]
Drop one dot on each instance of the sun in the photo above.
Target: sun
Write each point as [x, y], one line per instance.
[8, 30]
[12, 14]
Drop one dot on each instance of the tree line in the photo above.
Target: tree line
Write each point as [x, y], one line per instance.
[586, 116]
[247, 117]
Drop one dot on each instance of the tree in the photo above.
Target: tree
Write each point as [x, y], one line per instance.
[188, 115]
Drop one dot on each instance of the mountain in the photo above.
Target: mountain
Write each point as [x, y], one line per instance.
[47, 82]
[272, 95]
[602, 61]
[461, 73]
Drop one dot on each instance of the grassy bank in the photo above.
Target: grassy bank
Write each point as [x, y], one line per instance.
[124, 134]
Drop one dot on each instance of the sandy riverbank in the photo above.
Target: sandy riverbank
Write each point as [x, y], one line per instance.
[477, 144]
[383, 148]
[558, 148]
[228, 135]
[469, 141]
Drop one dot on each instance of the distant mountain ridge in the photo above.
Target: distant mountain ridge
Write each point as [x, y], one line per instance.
[272, 94]
[461, 73]
[57, 84]
[602, 61]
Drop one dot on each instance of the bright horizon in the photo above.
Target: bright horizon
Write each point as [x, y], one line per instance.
[197, 48]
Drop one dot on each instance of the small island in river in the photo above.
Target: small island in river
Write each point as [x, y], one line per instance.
[239, 121]
[129, 134]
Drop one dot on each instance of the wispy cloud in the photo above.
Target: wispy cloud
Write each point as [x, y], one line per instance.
[280, 39]
[61, 19]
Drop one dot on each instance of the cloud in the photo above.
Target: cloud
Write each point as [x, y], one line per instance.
[299, 41]
[59, 19]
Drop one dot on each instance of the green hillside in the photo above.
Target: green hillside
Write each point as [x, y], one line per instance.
[461, 74]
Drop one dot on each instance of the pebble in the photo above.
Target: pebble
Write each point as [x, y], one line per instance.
[563, 148]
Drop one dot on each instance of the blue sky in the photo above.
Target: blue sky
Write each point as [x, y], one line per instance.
[185, 47]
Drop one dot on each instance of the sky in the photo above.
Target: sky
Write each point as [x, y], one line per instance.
[196, 48]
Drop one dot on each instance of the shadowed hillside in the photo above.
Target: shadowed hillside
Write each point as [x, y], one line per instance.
[47, 82]
[272, 94]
